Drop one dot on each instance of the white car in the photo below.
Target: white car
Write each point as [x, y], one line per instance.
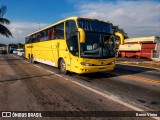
[16, 51]
[20, 52]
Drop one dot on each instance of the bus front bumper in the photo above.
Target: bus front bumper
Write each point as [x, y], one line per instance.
[92, 69]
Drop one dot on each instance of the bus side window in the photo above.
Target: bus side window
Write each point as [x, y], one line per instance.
[43, 36]
[49, 34]
[72, 37]
[59, 31]
[55, 33]
[52, 33]
[34, 39]
[46, 35]
[38, 37]
[27, 40]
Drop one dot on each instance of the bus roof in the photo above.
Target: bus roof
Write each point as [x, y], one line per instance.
[69, 18]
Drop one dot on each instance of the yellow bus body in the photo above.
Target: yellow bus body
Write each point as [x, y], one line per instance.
[52, 51]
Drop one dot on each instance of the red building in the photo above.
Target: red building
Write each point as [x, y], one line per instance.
[142, 47]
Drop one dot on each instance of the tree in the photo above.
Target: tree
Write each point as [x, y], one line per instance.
[20, 45]
[117, 29]
[3, 30]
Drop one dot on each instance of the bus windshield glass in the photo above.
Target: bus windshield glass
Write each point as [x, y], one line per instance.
[99, 41]
[95, 26]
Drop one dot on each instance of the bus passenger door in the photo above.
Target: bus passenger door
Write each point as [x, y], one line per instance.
[72, 44]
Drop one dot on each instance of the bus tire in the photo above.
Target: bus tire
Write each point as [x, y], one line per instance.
[32, 59]
[63, 66]
[28, 56]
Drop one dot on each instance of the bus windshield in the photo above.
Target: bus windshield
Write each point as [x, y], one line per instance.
[95, 26]
[99, 41]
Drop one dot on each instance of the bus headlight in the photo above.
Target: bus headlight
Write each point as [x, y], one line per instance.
[86, 64]
[111, 63]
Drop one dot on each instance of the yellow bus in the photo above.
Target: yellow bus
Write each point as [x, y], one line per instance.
[76, 44]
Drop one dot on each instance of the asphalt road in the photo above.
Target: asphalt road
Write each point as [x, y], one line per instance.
[38, 87]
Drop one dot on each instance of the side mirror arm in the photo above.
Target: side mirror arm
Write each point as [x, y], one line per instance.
[121, 37]
[82, 35]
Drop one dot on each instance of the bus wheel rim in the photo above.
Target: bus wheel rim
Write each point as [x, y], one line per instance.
[63, 66]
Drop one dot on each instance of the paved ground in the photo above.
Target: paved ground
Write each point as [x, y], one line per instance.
[28, 87]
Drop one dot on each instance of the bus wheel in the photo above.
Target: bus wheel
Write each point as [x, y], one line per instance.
[31, 59]
[63, 66]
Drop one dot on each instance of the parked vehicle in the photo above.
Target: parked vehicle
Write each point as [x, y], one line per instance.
[16, 51]
[20, 52]
[11, 49]
[3, 52]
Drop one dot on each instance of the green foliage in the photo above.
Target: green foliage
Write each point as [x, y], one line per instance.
[117, 29]
[3, 30]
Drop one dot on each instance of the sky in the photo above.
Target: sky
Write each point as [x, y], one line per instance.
[138, 18]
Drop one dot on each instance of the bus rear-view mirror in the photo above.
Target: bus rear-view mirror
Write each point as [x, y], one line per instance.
[82, 35]
[121, 37]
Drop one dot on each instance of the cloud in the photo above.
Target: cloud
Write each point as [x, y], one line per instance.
[19, 30]
[137, 18]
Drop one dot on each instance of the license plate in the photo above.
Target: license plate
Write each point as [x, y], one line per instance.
[101, 69]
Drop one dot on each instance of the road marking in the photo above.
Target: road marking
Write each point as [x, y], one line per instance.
[139, 78]
[111, 97]
[39, 67]
[127, 76]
